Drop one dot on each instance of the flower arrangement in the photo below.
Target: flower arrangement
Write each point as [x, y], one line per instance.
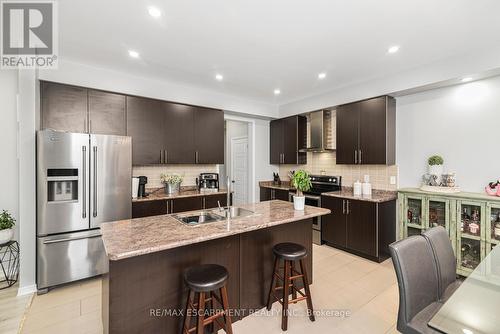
[171, 178]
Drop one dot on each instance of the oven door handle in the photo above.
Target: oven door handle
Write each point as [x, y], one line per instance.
[316, 198]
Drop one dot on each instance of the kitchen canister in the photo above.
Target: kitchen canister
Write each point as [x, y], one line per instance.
[357, 188]
[135, 187]
[366, 189]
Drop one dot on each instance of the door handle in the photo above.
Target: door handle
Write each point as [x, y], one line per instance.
[355, 157]
[70, 239]
[95, 182]
[84, 181]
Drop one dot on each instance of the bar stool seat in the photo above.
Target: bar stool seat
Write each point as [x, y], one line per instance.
[207, 285]
[289, 251]
[205, 277]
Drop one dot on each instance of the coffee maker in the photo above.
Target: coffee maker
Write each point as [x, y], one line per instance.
[143, 180]
[208, 182]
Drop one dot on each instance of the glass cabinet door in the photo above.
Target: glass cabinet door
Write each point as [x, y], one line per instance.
[438, 213]
[470, 218]
[493, 224]
[414, 211]
[470, 254]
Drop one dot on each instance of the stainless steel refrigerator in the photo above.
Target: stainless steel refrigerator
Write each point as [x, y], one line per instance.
[83, 181]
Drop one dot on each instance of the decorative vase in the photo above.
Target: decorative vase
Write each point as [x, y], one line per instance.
[172, 188]
[6, 235]
[436, 170]
[299, 202]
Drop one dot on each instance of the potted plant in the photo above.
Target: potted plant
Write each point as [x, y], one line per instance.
[7, 223]
[302, 182]
[172, 182]
[436, 166]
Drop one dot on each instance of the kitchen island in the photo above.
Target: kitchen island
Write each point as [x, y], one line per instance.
[144, 291]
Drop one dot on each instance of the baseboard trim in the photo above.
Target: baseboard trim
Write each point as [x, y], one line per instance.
[26, 290]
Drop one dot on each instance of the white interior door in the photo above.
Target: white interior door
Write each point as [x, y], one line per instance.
[239, 169]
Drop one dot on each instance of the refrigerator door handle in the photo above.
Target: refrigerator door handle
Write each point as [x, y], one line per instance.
[95, 183]
[84, 181]
[54, 241]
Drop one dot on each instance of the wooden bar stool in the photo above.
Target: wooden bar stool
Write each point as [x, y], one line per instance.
[289, 253]
[203, 281]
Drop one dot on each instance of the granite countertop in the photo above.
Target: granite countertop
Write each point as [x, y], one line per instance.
[133, 237]
[378, 196]
[159, 194]
[285, 185]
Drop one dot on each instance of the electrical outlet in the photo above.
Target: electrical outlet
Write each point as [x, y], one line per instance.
[393, 180]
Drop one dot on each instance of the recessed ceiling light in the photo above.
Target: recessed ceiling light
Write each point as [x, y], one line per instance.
[133, 54]
[154, 12]
[277, 92]
[393, 49]
[219, 77]
[322, 75]
[467, 79]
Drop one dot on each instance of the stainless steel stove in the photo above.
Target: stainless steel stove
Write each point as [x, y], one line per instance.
[320, 184]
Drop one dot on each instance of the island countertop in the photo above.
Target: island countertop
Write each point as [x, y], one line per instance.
[133, 237]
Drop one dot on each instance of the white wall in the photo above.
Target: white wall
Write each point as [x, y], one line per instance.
[105, 79]
[477, 63]
[8, 144]
[461, 123]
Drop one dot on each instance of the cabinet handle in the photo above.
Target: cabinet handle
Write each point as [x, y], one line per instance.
[283, 158]
[172, 206]
[355, 157]
[348, 209]
[196, 157]
[343, 206]
[168, 208]
[90, 126]
[161, 159]
[165, 156]
[360, 157]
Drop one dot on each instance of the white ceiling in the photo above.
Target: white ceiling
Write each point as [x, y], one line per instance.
[261, 45]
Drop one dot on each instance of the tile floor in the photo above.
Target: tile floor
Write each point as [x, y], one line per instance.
[341, 282]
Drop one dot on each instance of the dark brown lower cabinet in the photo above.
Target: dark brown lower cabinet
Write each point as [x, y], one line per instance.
[167, 206]
[361, 227]
[149, 208]
[268, 194]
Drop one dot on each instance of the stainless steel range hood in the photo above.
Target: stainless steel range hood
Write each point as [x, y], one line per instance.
[320, 132]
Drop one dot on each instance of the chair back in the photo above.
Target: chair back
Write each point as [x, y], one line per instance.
[446, 262]
[417, 277]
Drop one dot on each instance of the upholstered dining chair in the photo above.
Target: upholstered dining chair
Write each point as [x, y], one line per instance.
[418, 284]
[446, 262]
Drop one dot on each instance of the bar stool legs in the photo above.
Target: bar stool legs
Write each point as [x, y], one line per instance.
[290, 274]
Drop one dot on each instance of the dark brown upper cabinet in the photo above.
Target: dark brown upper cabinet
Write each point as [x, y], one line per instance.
[179, 137]
[107, 113]
[209, 136]
[366, 132]
[146, 126]
[287, 137]
[63, 107]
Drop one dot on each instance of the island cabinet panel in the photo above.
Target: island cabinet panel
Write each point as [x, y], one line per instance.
[63, 107]
[144, 294]
[265, 194]
[149, 208]
[186, 204]
[145, 124]
[107, 113]
[268, 194]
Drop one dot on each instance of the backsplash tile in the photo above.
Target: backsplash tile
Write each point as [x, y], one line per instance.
[325, 163]
[188, 172]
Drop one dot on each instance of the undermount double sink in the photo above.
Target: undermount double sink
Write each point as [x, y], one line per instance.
[213, 215]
